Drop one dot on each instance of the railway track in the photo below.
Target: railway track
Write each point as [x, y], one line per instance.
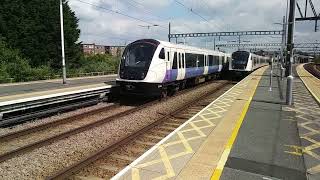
[314, 69]
[25, 140]
[107, 161]
[44, 134]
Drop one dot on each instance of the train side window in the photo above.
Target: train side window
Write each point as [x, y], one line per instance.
[210, 60]
[200, 60]
[183, 62]
[191, 60]
[216, 60]
[162, 54]
[205, 60]
[179, 59]
[175, 61]
[168, 56]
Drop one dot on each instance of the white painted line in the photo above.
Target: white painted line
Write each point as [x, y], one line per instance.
[53, 95]
[151, 150]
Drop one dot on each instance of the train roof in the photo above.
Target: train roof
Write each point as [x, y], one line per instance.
[181, 46]
[252, 54]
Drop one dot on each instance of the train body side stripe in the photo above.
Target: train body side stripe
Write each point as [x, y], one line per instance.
[194, 72]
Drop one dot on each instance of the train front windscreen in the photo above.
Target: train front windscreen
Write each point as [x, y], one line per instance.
[136, 59]
[240, 59]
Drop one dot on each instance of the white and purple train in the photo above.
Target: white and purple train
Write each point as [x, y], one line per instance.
[244, 62]
[152, 67]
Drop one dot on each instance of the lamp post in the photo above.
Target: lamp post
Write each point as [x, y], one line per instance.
[283, 41]
[64, 74]
[290, 48]
[283, 45]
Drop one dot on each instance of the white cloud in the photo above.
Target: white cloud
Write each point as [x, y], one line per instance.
[99, 26]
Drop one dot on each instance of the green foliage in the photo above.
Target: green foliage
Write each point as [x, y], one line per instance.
[33, 27]
[12, 65]
[96, 63]
[30, 47]
[100, 63]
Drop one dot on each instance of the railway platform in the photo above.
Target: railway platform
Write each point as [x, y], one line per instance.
[247, 133]
[15, 91]
[24, 101]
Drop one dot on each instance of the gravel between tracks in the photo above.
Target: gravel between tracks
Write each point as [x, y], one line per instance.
[34, 137]
[36, 122]
[44, 161]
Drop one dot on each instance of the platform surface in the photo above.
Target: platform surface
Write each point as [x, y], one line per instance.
[307, 116]
[18, 91]
[194, 150]
[37, 86]
[264, 147]
[248, 133]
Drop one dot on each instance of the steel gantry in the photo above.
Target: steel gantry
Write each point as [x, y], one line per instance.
[219, 34]
[297, 45]
[304, 17]
[313, 48]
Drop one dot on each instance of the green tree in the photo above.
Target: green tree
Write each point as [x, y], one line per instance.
[33, 27]
[12, 65]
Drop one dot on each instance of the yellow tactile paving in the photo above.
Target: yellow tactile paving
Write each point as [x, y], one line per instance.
[307, 116]
[311, 82]
[202, 133]
[49, 92]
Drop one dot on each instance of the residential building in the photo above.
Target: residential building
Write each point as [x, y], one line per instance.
[91, 49]
[115, 50]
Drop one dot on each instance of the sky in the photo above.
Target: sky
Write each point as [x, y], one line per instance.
[130, 20]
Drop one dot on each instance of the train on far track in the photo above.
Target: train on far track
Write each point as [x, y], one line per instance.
[151, 67]
[244, 62]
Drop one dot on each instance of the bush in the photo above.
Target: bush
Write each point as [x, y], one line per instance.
[13, 65]
[40, 73]
[99, 63]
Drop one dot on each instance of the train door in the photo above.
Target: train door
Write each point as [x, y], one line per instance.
[181, 64]
[206, 64]
[168, 60]
[174, 64]
[220, 62]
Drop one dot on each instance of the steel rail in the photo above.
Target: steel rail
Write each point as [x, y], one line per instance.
[52, 124]
[47, 141]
